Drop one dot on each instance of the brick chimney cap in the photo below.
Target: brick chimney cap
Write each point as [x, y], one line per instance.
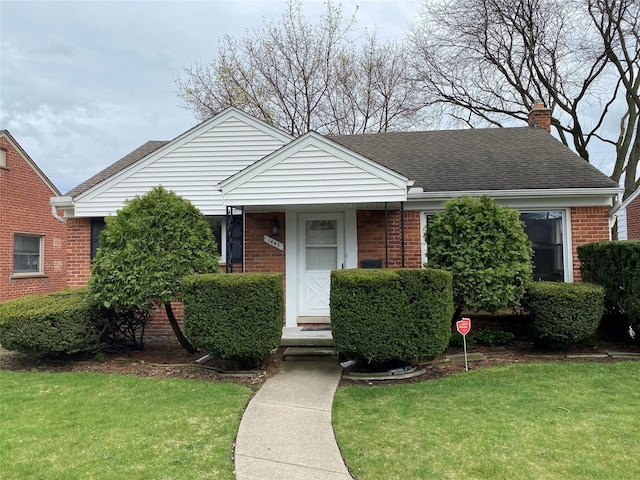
[539, 105]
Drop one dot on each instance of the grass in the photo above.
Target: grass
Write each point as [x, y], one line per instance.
[536, 421]
[96, 426]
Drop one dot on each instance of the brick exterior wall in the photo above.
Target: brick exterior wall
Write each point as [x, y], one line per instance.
[25, 208]
[588, 224]
[258, 255]
[78, 251]
[633, 219]
[371, 238]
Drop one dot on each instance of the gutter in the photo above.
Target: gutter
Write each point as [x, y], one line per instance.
[60, 203]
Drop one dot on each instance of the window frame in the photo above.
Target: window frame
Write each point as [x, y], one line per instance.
[31, 273]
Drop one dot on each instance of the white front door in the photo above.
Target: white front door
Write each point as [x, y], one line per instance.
[321, 242]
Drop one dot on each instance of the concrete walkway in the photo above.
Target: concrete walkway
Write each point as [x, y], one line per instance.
[286, 430]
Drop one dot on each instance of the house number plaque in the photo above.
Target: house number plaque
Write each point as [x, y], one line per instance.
[273, 242]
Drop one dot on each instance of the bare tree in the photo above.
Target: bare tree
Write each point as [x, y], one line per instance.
[489, 61]
[301, 76]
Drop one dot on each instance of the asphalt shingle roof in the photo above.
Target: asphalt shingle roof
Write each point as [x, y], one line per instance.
[124, 162]
[479, 159]
[520, 158]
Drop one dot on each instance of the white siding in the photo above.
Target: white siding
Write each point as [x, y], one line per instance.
[192, 169]
[622, 224]
[311, 175]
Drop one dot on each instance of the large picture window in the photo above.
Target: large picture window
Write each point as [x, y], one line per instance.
[27, 254]
[545, 230]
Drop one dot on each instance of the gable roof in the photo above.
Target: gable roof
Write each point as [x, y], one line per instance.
[519, 158]
[312, 170]
[16, 146]
[148, 148]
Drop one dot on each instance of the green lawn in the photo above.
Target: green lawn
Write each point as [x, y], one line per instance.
[94, 426]
[538, 421]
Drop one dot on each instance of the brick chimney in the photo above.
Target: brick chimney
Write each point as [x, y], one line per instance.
[540, 116]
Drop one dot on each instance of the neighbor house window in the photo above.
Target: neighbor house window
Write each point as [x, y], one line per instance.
[546, 232]
[27, 253]
[3, 157]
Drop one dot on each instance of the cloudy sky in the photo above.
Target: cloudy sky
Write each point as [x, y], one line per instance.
[83, 83]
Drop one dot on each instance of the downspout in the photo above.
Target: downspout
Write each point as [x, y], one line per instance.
[386, 237]
[54, 212]
[402, 230]
[62, 203]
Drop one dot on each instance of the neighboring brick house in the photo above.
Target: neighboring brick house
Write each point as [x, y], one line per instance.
[33, 244]
[304, 206]
[627, 216]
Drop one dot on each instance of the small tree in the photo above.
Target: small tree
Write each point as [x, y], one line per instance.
[146, 248]
[486, 249]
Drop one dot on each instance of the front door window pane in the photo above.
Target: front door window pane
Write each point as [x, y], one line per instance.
[321, 244]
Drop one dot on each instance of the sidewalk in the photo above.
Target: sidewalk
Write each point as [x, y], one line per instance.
[286, 430]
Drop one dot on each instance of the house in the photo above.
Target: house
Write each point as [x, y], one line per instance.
[304, 206]
[627, 216]
[33, 244]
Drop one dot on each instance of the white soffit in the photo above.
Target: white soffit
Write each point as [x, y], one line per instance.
[313, 170]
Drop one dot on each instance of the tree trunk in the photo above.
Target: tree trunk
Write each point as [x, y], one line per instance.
[184, 342]
[457, 315]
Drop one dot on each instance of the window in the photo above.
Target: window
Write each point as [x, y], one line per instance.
[97, 224]
[27, 254]
[545, 230]
[549, 239]
[218, 227]
[3, 158]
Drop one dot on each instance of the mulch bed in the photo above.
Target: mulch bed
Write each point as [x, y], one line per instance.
[169, 360]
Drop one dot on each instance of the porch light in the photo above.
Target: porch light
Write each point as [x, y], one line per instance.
[275, 227]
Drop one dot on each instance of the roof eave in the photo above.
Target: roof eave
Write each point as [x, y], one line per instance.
[519, 194]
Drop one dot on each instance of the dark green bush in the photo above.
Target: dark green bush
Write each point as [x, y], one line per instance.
[57, 323]
[485, 247]
[492, 337]
[563, 313]
[615, 266]
[385, 315]
[234, 316]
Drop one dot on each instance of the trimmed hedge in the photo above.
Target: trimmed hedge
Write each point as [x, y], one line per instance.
[234, 316]
[563, 313]
[615, 266]
[64, 322]
[382, 315]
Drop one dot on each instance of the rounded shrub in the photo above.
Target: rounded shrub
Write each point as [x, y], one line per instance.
[563, 313]
[384, 315]
[235, 317]
[615, 266]
[64, 322]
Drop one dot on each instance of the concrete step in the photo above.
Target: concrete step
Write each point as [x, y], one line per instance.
[299, 337]
[313, 354]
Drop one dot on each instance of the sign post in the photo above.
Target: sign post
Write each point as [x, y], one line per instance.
[464, 326]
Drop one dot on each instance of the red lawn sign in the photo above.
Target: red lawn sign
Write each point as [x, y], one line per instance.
[463, 326]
